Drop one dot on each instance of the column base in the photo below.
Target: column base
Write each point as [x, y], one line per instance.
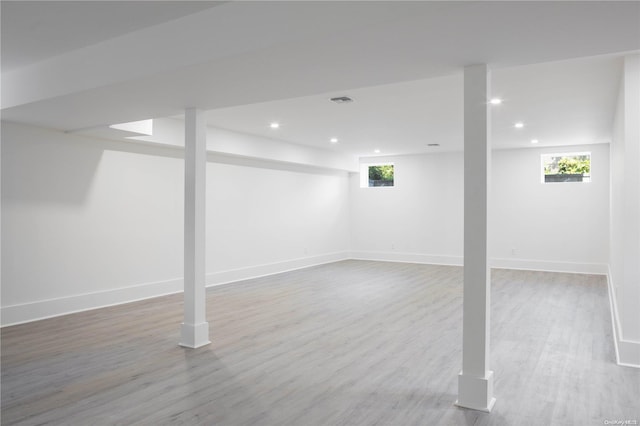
[194, 335]
[476, 393]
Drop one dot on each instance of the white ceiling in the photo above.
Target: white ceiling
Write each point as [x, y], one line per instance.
[33, 31]
[560, 103]
[556, 64]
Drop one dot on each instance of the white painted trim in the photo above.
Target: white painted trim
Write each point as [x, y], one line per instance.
[33, 311]
[476, 393]
[613, 306]
[43, 309]
[194, 335]
[627, 351]
[431, 259]
[550, 266]
[529, 265]
[230, 276]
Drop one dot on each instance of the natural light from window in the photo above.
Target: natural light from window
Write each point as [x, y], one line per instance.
[570, 167]
[377, 175]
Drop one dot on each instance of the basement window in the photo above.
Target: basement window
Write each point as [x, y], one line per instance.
[571, 167]
[376, 175]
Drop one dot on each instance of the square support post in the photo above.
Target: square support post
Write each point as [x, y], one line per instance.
[195, 328]
[475, 381]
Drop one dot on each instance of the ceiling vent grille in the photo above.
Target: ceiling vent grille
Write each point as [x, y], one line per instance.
[341, 100]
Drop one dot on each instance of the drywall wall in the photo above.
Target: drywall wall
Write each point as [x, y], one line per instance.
[625, 215]
[419, 219]
[170, 132]
[90, 222]
[284, 217]
[531, 223]
[550, 226]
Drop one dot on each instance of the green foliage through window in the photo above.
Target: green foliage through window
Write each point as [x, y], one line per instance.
[567, 167]
[381, 175]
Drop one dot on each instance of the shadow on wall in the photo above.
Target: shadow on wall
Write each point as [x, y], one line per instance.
[236, 160]
[47, 166]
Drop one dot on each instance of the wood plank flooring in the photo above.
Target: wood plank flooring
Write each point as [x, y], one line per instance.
[348, 343]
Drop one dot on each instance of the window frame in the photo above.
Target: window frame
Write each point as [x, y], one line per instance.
[588, 177]
[364, 174]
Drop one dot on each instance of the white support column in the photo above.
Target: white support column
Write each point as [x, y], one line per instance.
[475, 382]
[195, 328]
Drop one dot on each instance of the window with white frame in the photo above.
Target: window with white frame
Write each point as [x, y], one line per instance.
[377, 175]
[570, 167]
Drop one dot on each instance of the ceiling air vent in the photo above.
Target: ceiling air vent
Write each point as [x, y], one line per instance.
[341, 100]
[433, 144]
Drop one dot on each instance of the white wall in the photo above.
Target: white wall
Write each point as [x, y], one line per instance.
[625, 214]
[552, 226]
[421, 218]
[90, 222]
[272, 219]
[170, 132]
[83, 216]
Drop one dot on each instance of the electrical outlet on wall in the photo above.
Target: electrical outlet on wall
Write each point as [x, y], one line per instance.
[513, 252]
[393, 246]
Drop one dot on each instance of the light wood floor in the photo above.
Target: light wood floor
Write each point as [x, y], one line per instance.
[349, 343]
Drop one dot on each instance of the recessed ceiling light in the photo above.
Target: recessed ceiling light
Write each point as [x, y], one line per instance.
[333, 140]
[377, 151]
[534, 140]
[274, 125]
[495, 101]
[519, 125]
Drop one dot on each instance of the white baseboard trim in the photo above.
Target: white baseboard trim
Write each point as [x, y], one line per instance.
[627, 351]
[230, 276]
[550, 266]
[529, 265]
[33, 311]
[43, 309]
[430, 259]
